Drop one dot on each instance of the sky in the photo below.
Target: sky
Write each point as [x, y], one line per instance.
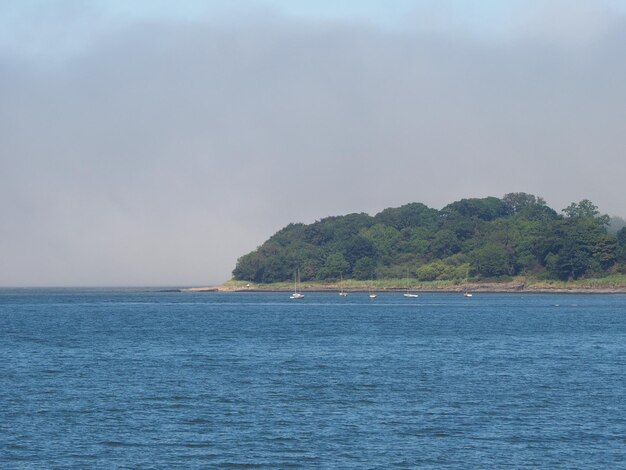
[152, 143]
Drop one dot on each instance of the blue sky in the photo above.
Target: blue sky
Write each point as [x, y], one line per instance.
[56, 28]
[479, 13]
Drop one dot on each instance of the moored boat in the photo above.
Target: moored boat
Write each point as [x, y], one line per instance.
[296, 294]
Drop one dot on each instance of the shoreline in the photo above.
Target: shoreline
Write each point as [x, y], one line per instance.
[494, 288]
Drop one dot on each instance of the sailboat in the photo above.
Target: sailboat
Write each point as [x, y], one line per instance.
[296, 294]
[466, 293]
[372, 295]
[342, 293]
[408, 294]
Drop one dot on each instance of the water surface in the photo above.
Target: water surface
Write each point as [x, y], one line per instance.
[146, 379]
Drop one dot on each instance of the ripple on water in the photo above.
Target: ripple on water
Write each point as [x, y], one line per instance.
[94, 379]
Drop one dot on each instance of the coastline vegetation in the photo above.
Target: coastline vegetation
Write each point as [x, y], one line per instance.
[515, 239]
[615, 282]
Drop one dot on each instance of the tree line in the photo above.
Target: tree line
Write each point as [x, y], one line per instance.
[479, 238]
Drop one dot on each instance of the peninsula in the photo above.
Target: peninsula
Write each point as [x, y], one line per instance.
[513, 243]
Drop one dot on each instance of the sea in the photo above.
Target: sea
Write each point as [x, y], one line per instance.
[140, 378]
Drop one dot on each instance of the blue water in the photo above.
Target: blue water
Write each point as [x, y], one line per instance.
[140, 379]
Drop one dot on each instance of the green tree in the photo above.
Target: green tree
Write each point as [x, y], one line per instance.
[571, 262]
[385, 241]
[276, 270]
[578, 246]
[250, 267]
[444, 244]
[409, 215]
[517, 202]
[364, 268]
[604, 252]
[487, 208]
[431, 271]
[491, 260]
[586, 209]
[621, 245]
[359, 247]
[335, 266]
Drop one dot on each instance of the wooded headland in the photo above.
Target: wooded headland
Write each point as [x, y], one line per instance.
[515, 239]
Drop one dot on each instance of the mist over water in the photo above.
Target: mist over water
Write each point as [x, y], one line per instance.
[156, 149]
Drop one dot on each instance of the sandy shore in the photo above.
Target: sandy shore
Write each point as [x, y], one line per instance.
[504, 287]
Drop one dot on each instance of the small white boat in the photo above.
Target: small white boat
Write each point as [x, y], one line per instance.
[408, 293]
[466, 293]
[372, 295]
[296, 294]
[343, 293]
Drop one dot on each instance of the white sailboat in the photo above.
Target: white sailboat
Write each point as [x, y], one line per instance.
[296, 294]
[466, 293]
[408, 293]
[372, 295]
[342, 293]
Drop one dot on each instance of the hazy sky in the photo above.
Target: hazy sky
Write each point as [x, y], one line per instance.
[154, 142]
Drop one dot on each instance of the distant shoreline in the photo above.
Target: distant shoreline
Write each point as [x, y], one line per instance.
[487, 287]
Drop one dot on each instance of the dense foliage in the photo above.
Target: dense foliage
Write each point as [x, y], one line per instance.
[479, 238]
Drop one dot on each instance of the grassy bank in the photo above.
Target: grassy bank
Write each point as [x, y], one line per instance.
[615, 282]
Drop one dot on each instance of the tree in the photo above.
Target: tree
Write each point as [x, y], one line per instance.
[364, 268]
[604, 251]
[409, 215]
[621, 245]
[335, 266]
[359, 247]
[444, 244]
[491, 260]
[276, 270]
[385, 241]
[250, 267]
[586, 209]
[578, 246]
[431, 271]
[487, 208]
[518, 201]
[538, 213]
[571, 262]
